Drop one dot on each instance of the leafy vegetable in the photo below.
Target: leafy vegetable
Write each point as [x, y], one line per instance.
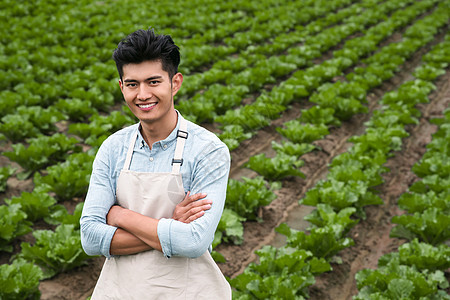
[100, 127]
[422, 256]
[29, 121]
[292, 149]
[5, 173]
[396, 281]
[276, 168]
[230, 228]
[303, 133]
[60, 215]
[13, 223]
[20, 280]
[283, 273]
[55, 251]
[419, 202]
[43, 151]
[323, 242]
[247, 117]
[35, 204]
[75, 109]
[428, 72]
[245, 197]
[324, 215]
[233, 135]
[68, 179]
[340, 195]
[319, 115]
[432, 226]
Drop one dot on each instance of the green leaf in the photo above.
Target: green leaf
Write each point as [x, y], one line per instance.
[68, 179]
[35, 204]
[292, 149]
[5, 173]
[12, 224]
[431, 226]
[55, 251]
[323, 242]
[60, 215]
[230, 228]
[43, 151]
[303, 133]
[276, 168]
[400, 288]
[20, 280]
[318, 115]
[246, 196]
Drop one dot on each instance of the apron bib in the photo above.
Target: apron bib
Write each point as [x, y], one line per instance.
[150, 275]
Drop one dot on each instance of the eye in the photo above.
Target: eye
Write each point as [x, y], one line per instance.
[131, 85]
[153, 82]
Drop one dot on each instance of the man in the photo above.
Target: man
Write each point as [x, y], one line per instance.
[139, 211]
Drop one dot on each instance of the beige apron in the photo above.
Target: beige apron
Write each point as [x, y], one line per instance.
[150, 275]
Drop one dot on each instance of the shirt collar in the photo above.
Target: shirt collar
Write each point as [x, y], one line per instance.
[167, 141]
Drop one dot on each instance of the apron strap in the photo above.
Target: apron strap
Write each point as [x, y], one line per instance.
[182, 135]
[133, 139]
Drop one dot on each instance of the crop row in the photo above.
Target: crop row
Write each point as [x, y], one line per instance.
[286, 272]
[417, 268]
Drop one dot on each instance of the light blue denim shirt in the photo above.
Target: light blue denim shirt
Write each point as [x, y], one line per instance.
[205, 169]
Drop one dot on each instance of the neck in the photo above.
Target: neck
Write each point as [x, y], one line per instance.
[153, 132]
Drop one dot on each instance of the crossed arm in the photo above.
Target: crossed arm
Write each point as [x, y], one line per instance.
[108, 230]
[137, 233]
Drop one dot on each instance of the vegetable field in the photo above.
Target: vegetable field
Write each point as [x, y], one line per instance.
[336, 114]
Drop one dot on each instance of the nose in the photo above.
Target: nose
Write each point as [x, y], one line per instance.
[144, 92]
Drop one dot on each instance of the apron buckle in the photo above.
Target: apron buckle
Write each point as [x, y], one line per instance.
[182, 134]
[177, 161]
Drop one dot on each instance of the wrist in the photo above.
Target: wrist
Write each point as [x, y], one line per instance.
[122, 217]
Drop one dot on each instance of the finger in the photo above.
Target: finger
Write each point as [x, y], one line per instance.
[186, 198]
[195, 217]
[197, 204]
[198, 209]
[192, 198]
[197, 196]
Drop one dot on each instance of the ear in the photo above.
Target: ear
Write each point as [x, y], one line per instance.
[177, 80]
[121, 85]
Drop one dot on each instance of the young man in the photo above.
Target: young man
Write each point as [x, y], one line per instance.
[157, 188]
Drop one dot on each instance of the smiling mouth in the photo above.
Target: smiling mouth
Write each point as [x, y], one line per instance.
[146, 106]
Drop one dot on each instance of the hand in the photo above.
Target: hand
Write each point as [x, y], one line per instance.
[114, 214]
[191, 208]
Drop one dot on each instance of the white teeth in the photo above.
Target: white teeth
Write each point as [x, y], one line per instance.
[147, 105]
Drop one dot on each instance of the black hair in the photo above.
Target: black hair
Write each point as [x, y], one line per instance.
[145, 45]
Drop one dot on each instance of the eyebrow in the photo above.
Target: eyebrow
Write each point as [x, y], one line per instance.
[148, 79]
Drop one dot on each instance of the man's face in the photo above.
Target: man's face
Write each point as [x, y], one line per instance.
[148, 90]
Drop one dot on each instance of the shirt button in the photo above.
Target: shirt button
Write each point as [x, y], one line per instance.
[165, 146]
[151, 158]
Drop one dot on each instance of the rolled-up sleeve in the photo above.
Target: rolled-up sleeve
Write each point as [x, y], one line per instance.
[210, 176]
[96, 235]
